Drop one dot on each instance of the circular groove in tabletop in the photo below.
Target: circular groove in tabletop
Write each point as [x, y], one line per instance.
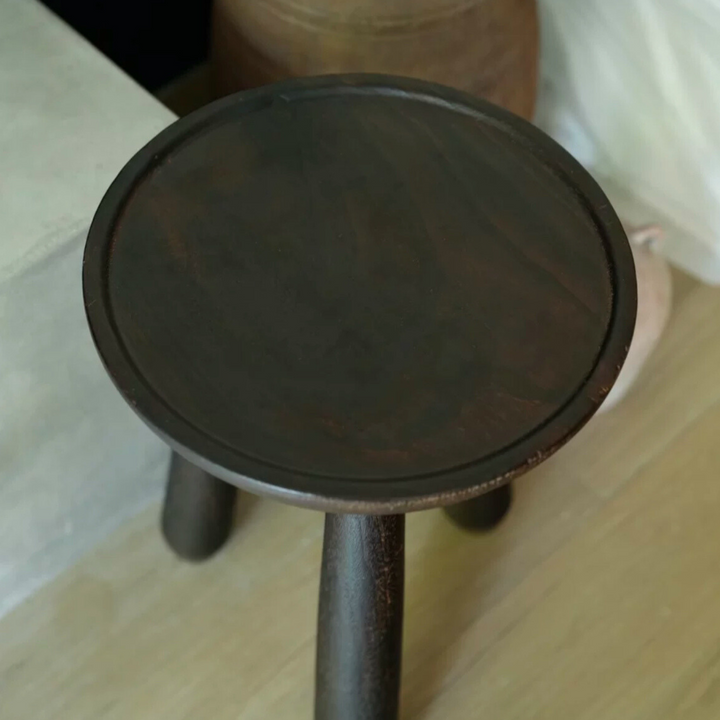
[359, 291]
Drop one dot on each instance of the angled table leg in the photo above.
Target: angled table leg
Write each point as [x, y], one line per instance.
[197, 512]
[359, 643]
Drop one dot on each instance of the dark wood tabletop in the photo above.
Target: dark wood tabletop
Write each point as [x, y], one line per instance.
[359, 293]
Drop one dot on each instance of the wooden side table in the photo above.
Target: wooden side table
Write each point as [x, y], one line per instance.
[365, 295]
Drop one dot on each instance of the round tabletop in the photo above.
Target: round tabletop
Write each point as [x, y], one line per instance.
[359, 293]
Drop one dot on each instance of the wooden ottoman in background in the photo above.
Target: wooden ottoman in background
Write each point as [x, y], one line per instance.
[365, 295]
[486, 47]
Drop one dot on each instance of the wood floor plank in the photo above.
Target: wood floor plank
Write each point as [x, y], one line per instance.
[621, 622]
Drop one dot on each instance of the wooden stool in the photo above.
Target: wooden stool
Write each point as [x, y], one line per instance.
[360, 294]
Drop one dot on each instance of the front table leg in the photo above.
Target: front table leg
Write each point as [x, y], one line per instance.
[359, 642]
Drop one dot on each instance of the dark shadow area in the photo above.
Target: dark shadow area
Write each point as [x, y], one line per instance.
[153, 42]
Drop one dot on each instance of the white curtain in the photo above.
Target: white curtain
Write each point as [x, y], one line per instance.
[632, 89]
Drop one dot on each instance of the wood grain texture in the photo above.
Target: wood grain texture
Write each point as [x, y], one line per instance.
[361, 293]
[360, 620]
[486, 47]
[597, 599]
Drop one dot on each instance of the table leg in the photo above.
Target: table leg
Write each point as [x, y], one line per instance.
[197, 512]
[359, 643]
[484, 512]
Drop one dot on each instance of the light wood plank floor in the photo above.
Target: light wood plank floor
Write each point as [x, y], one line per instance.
[598, 599]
